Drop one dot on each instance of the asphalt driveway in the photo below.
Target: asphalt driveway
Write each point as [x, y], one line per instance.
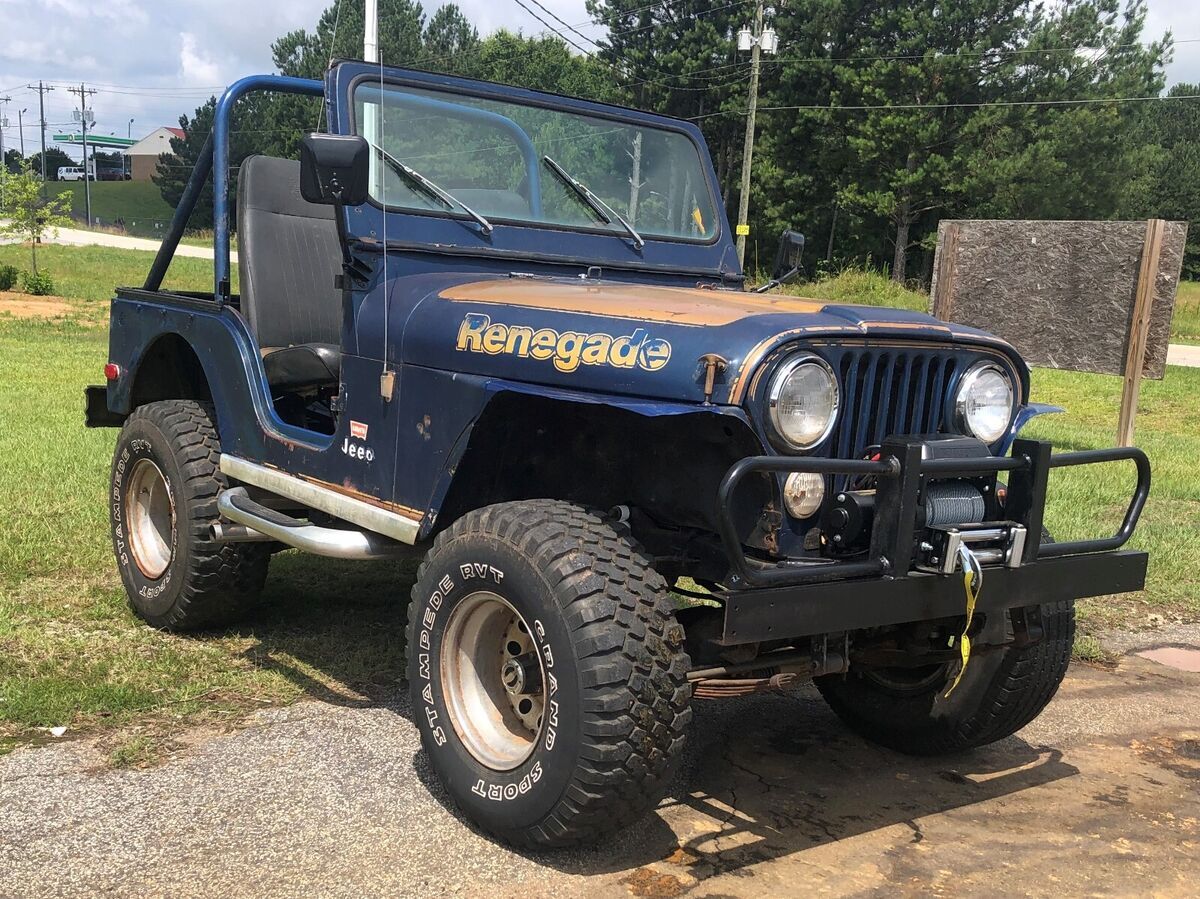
[1100, 796]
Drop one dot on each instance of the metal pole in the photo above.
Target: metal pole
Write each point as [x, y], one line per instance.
[87, 182]
[3, 122]
[748, 150]
[42, 121]
[371, 31]
[21, 129]
[374, 113]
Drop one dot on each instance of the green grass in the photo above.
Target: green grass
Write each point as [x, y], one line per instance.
[869, 288]
[139, 203]
[862, 288]
[1090, 500]
[72, 654]
[87, 275]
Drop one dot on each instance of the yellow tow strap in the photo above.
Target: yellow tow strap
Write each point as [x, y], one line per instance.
[972, 584]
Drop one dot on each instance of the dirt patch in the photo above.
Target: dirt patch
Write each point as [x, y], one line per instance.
[650, 883]
[1178, 755]
[23, 305]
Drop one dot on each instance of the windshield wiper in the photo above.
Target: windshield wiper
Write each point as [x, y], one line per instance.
[603, 211]
[440, 194]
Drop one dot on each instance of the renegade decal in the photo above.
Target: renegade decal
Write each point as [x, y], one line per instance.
[568, 349]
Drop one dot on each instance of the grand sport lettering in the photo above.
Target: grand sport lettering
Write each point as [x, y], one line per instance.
[568, 349]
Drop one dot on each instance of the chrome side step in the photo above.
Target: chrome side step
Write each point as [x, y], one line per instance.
[235, 504]
[314, 496]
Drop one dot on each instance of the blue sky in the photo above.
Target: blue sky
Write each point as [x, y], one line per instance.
[152, 61]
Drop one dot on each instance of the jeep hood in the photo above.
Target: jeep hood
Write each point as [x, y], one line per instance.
[640, 340]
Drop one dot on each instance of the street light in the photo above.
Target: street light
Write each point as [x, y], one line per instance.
[129, 130]
[21, 128]
[756, 41]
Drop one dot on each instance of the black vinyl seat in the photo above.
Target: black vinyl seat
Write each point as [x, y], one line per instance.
[288, 255]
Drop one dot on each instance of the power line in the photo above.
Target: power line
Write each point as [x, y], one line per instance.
[548, 30]
[978, 105]
[995, 51]
[557, 19]
[551, 29]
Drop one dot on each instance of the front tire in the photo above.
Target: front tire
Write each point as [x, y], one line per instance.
[547, 673]
[162, 504]
[1000, 692]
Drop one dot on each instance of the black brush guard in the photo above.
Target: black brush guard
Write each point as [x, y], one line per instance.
[803, 597]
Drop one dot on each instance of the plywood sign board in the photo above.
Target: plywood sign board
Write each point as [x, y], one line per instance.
[1062, 293]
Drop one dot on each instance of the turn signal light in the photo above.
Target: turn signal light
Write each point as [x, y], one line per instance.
[112, 371]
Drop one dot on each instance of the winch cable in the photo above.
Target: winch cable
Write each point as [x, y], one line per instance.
[972, 584]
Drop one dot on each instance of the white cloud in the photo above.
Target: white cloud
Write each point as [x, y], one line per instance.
[194, 66]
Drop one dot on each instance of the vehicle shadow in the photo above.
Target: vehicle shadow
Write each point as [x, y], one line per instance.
[777, 774]
[334, 629]
[763, 777]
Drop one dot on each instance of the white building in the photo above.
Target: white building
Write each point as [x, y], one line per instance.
[143, 156]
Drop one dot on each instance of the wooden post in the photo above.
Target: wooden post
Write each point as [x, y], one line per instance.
[943, 290]
[1139, 328]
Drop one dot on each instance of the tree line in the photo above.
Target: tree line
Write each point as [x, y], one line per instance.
[876, 119]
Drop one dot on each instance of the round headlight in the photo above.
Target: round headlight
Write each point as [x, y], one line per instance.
[803, 493]
[803, 402]
[985, 402]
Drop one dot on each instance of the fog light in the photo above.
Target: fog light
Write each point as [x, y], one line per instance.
[803, 493]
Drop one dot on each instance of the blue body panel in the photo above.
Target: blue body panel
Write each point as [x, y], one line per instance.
[459, 318]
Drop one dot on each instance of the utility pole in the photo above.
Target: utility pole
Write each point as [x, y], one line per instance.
[41, 89]
[757, 42]
[3, 124]
[84, 113]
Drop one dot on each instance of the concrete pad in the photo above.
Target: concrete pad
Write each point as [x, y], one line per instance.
[1098, 796]
[1183, 354]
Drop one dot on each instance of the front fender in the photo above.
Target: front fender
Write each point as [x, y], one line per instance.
[537, 415]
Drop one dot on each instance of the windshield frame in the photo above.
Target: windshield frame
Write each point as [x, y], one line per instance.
[459, 86]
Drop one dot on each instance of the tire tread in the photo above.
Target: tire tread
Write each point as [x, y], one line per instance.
[629, 650]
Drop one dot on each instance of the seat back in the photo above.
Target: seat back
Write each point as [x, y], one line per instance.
[288, 256]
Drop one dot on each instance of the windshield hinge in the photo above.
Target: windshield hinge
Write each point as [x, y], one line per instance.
[713, 365]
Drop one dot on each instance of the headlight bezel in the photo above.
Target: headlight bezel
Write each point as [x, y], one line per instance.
[775, 388]
[969, 379]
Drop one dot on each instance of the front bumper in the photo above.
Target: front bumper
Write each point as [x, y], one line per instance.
[802, 597]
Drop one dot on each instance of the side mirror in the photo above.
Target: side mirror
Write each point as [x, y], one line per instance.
[334, 169]
[787, 260]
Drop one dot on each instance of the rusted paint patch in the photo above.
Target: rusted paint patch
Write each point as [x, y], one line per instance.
[673, 305]
[348, 490]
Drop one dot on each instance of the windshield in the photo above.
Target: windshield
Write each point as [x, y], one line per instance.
[491, 156]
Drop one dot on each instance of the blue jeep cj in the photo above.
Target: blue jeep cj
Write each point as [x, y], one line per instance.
[508, 332]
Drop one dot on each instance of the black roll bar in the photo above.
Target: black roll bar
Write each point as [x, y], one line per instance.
[183, 211]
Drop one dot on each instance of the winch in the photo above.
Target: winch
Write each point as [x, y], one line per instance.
[953, 512]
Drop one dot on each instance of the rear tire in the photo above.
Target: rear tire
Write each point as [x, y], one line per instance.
[547, 672]
[1000, 692]
[162, 504]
